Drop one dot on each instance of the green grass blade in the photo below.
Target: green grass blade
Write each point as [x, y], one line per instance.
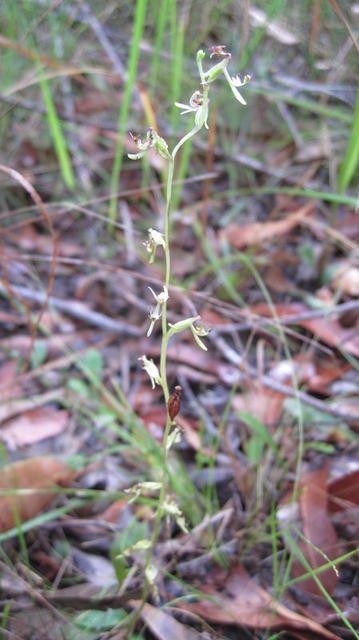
[5, 617]
[351, 157]
[57, 136]
[259, 429]
[303, 103]
[337, 198]
[131, 77]
[298, 553]
[324, 567]
[177, 61]
[215, 263]
[161, 23]
[259, 33]
[40, 520]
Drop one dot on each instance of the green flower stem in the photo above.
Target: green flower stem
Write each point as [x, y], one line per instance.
[198, 103]
[163, 374]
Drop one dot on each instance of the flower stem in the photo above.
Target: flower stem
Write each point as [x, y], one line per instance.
[163, 374]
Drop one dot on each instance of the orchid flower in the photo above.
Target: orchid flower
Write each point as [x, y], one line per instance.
[197, 332]
[234, 82]
[152, 371]
[198, 106]
[155, 239]
[155, 314]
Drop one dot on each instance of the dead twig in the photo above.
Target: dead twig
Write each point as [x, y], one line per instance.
[270, 383]
[77, 310]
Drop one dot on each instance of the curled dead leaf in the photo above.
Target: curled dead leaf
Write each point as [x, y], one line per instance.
[254, 233]
[319, 539]
[33, 426]
[344, 491]
[34, 475]
[241, 601]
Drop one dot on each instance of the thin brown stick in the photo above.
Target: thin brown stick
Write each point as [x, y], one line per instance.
[269, 382]
[341, 15]
[316, 15]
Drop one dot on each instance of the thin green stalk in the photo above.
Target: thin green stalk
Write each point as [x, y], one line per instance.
[177, 72]
[57, 135]
[161, 23]
[199, 104]
[132, 69]
[294, 191]
[273, 10]
[351, 157]
[163, 374]
[297, 551]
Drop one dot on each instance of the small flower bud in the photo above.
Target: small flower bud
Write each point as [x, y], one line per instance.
[182, 325]
[152, 139]
[161, 147]
[216, 71]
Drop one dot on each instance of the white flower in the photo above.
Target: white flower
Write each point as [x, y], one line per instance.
[155, 239]
[151, 369]
[197, 106]
[171, 508]
[155, 314]
[234, 82]
[199, 332]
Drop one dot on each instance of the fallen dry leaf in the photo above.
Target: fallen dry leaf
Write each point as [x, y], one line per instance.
[113, 512]
[332, 333]
[344, 492]
[20, 405]
[254, 233]
[94, 568]
[316, 374]
[30, 240]
[32, 474]
[190, 433]
[9, 386]
[329, 330]
[318, 530]
[241, 601]
[324, 373]
[265, 404]
[36, 622]
[33, 426]
[164, 626]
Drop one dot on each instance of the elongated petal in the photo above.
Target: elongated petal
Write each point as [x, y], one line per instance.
[235, 91]
[186, 107]
[198, 340]
[136, 156]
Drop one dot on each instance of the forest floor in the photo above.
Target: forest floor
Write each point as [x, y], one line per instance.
[264, 248]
